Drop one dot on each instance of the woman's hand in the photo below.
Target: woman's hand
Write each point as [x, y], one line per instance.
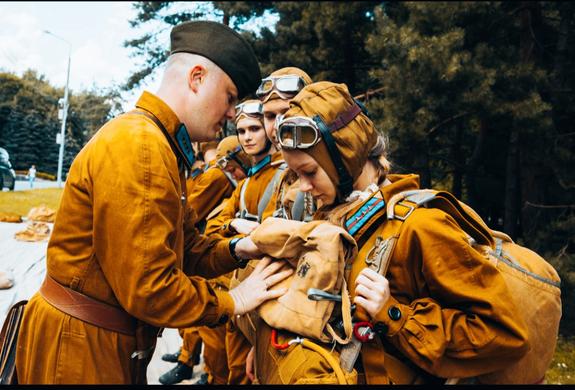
[253, 290]
[371, 291]
[250, 359]
[243, 226]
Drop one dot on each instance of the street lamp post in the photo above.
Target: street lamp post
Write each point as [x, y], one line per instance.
[65, 113]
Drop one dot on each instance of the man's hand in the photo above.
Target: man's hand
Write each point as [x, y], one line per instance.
[246, 249]
[243, 226]
[253, 291]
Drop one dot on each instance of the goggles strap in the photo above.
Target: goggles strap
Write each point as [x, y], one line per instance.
[344, 118]
[234, 156]
[345, 180]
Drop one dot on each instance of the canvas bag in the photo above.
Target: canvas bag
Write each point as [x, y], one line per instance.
[534, 284]
[8, 341]
[318, 251]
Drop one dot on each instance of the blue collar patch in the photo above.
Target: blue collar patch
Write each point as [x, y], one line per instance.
[196, 172]
[185, 144]
[259, 166]
[362, 216]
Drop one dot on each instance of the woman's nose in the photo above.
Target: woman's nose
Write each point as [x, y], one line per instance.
[305, 185]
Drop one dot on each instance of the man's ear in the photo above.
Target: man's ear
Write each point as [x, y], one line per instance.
[196, 76]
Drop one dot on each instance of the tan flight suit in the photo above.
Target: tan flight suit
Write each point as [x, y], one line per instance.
[457, 318]
[206, 191]
[260, 176]
[123, 237]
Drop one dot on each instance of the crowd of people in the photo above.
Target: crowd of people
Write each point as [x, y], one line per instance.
[165, 223]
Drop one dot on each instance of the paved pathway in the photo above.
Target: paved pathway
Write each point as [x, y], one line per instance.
[27, 262]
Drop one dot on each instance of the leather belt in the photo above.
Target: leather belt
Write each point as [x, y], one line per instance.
[87, 309]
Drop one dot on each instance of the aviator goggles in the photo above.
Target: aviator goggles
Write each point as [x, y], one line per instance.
[302, 132]
[288, 84]
[249, 109]
[223, 162]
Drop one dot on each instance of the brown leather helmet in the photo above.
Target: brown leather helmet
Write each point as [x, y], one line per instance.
[350, 133]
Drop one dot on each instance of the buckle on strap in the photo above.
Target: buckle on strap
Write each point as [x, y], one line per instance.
[142, 354]
[406, 215]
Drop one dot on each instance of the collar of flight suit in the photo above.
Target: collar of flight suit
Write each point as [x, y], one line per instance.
[151, 103]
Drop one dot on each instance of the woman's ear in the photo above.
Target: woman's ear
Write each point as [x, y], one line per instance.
[196, 77]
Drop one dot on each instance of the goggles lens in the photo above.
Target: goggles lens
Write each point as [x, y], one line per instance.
[250, 109]
[222, 162]
[297, 133]
[288, 84]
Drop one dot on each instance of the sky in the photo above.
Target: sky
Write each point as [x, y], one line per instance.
[95, 32]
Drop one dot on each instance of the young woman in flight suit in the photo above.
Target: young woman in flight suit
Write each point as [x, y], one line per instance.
[440, 311]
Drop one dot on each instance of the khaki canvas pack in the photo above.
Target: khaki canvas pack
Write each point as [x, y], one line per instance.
[533, 283]
[318, 251]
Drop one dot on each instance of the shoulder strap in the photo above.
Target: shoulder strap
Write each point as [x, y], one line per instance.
[265, 199]
[243, 207]
[298, 206]
[183, 161]
[405, 202]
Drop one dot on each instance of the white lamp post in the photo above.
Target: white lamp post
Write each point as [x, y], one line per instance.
[65, 109]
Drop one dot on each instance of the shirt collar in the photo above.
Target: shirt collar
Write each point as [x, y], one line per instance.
[259, 166]
[153, 104]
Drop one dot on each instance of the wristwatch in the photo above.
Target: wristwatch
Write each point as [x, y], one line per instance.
[232, 246]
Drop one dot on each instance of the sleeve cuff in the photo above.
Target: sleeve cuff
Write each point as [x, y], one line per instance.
[392, 317]
[225, 309]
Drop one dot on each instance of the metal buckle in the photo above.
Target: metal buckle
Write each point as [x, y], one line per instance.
[403, 218]
[142, 354]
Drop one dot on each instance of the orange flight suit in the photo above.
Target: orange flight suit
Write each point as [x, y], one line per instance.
[456, 316]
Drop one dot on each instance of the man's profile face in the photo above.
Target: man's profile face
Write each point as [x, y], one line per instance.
[273, 108]
[216, 99]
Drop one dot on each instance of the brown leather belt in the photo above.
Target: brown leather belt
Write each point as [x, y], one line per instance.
[87, 309]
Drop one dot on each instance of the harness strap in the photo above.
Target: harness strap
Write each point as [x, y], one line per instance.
[298, 206]
[265, 199]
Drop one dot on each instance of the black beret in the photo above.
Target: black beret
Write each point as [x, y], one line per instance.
[223, 46]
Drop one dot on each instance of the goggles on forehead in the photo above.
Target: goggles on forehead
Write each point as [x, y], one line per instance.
[290, 84]
[250, 109]
[302, 132]
[298, 132]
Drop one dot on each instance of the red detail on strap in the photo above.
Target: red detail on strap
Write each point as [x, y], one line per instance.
[274, 341]
[362, 324]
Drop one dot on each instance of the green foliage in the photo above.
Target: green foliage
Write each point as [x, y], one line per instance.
[29, 120]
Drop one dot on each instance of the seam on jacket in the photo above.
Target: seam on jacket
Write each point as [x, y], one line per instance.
[146, 230]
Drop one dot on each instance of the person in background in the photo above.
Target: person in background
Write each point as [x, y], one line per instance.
[32, 175]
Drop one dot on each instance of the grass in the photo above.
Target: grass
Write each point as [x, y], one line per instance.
[561, 370]
[20, 202]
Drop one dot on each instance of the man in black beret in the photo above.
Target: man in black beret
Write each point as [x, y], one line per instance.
[124, 243]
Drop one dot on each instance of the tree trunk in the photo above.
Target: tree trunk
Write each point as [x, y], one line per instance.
[473, 164]
[456, 156]
[512, 184]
